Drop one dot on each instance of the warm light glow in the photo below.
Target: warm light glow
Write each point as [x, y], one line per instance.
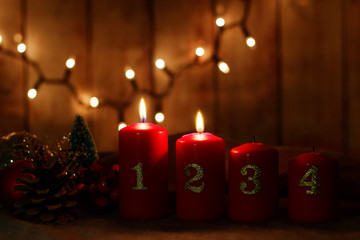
[70, 63]
[18, 37]
[21, 48]
[199, 123]
[121, 125]
[0, 39]
[32, 93]
[159, 117]
[160, 64]
[94, 102]
[142, 111]
[223, 67]
[220, 22]
[250, 41]
[129, 74]
[199, 51]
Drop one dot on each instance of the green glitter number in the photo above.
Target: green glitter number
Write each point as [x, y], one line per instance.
[257, 174]
[139, 177]
[313, 183]
[197, 177]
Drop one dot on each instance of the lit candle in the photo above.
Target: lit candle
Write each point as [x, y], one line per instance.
[143, 169]
[200, 175]
[312, 182]
[253, 182]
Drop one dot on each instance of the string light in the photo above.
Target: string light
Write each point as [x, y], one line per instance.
[21, 47]
[220, 22]
[32, 93]
[94, 102]
[159, 117]
[199, 51]
[250, 41]
[160, 64]
[129, 74]
[223, 67]
[121, 125]
[70, 63]
[123, 104]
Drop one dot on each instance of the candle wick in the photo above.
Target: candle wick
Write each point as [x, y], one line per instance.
[313, 149]
[254, 139]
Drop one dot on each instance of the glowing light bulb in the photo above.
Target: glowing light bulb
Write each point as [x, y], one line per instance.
[159, 117]
[250, 41]
[220, 22]
[199, 123]
[21, 47]
[223, 67]
[129, 74]
[142, 110]
[32, 93]
[199, 51]
[70, 63]
[160, 64]
[94, 102]
[121, 125]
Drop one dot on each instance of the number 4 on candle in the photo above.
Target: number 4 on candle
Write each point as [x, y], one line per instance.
[313, 183]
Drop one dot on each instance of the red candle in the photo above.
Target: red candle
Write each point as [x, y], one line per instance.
[253, 182]
[312, 187]
[143, 170]
[200, 175]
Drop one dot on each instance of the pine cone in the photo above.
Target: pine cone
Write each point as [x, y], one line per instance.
[51, 191]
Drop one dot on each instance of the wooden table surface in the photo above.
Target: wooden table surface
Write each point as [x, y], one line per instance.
[111, 226]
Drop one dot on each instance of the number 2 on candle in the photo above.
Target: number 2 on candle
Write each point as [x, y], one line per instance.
[139, 177]
[257, 174]
[313, 183]
[197, 177]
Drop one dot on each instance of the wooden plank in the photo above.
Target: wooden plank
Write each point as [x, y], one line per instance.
[11, 71]
[248, 92]
[353, 47]
[120, 38]
[311, 37]
[180, 29]
[55, 31]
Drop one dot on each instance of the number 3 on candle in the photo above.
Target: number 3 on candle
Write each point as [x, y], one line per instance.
[257, 174]
[197, 177]
[139, 177]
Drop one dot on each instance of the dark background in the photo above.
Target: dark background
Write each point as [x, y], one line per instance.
[298, 87]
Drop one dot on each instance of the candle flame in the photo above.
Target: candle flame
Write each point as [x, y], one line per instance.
[142, 110]
[199, 123]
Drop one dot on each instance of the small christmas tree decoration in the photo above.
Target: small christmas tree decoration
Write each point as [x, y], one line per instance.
[81, 143]
[50, 192]
[18, 146]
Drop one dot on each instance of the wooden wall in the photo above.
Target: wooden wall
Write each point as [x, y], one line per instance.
[299, 86]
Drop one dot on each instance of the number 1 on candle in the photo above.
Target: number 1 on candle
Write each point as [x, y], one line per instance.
[139, 177]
